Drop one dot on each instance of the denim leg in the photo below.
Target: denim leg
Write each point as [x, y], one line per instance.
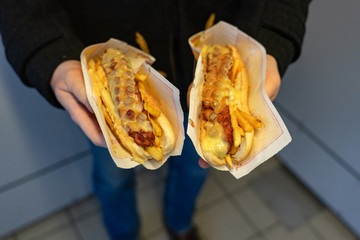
[184, 182]
[115, 189]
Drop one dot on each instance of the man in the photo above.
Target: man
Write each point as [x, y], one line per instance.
[43, 40]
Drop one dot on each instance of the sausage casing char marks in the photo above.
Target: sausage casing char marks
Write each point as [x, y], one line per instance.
[126, 97]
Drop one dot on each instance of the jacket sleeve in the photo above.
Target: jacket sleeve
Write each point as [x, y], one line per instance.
[37, 37]
[282, 29]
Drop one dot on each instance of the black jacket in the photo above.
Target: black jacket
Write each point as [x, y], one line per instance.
[40, 34]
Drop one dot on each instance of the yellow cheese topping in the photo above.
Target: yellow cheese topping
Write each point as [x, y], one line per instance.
[217, 146]
[213, 142]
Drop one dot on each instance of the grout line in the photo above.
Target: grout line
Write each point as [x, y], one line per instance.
[316, 232]
[257, 234]
[270, 227]
[300, 184]
[44, 171]
[215, 201]
[210, 204]
[241, 211]
[229, 195]
[73, 224]
[88, 214]
[51, 231]
[153, 233]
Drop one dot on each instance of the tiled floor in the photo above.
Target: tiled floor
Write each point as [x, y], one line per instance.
[267, 204]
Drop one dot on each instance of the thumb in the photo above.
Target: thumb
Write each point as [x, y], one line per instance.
[69, 88]
[77, 87]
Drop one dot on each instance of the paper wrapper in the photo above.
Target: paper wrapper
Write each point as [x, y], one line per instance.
[273, 135]
[167, 94]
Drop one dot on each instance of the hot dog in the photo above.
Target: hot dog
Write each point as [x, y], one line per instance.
[130, 111]
[227, 125]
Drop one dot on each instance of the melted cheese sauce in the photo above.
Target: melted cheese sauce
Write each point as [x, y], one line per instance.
[217, 146]
[212, 140]
[123, 92]
[218, 93]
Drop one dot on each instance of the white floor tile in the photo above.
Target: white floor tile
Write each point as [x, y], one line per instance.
[256, 237]
[92, 227]
[231, 183]
[255, 208]
[159, 235]
[281, 232]
[222, 221]
[67, 233]
[268, 165]
[150, 208]
[330, 227]
[210, 192]
[146, 178]
[286, 197]
[50, 224]
[88, 205]
[216, 217]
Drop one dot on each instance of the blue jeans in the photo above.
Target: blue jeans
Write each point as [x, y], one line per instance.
[115, 189]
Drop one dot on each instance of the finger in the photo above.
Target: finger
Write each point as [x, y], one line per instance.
[83, 118]
[203, 164]
[271, 88]
[273, 79]
[77, 87]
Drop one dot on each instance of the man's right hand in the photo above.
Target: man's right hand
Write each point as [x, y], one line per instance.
[68, 85]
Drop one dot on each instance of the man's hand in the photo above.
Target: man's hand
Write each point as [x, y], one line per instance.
[273, 80]
[68, 85]
[272, 87]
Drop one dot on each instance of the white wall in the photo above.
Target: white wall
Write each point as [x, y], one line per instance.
[45, 159]
[319, 102]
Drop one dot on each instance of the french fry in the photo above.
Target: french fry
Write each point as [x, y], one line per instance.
[155, 152]
[235, 127]
[162, 73]
[157, 129]
[256, 123]
[244, 89]
[102, 75]
[235, 69]
[100, 89]
[153, 111]
[203, 53]
[157, 141]
[229, 161]
[91, 64]
[242, 132]
[96, 88]
[243, 122]
[233, 150]
[210, 21]
[140, 40]
[141, 77]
